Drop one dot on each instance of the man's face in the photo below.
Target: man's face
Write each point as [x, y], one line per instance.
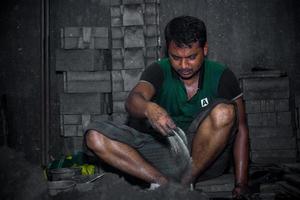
[186, 61]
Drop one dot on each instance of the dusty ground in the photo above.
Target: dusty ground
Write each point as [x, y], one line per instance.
[21, 180]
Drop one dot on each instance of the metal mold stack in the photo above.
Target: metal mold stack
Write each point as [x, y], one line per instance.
[98, 66]
[82, 65]
[267, 100]
[135, 45]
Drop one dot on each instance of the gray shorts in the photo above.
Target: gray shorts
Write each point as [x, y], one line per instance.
[156, 149]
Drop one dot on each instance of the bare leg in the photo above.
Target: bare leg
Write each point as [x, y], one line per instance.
[123, 157]
[210, 139]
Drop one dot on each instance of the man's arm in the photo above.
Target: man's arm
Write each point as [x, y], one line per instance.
[138, 105]
[241, 151]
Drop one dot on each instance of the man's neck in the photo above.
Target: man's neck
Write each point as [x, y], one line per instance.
[191, 85]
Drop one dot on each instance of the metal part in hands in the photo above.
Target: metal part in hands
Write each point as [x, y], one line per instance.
[179, 145]
[181, 134]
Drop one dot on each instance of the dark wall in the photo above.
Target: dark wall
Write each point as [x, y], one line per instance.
[20, 74]
[245, 33]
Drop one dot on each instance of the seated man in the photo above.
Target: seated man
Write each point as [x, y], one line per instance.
[184, 90]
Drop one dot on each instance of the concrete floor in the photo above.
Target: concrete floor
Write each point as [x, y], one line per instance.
[22, 180]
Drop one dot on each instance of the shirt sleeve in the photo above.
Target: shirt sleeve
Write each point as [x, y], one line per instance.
[229, 86]
[154, 75]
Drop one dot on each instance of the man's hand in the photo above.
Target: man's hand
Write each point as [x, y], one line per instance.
[159, 119]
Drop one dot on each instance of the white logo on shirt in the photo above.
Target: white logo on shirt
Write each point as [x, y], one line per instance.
[204, 102]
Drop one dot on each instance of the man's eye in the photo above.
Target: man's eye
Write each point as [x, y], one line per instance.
[175, 57]
[192, 57]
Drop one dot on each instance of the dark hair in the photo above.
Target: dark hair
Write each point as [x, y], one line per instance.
[185, 30]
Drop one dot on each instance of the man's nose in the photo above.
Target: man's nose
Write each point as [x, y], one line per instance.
[183, 63]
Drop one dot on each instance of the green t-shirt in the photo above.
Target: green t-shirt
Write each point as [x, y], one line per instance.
[215, 81]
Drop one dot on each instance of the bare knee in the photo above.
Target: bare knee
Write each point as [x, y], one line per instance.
[95, 140]
[223, 115]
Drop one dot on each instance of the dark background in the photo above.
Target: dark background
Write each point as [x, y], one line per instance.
[241, 33]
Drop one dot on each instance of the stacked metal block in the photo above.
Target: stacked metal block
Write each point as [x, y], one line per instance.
[86, 87]
[267, 100]
[100, 65]
[135, 44]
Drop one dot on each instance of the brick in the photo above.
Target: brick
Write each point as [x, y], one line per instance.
[87, 82]
[100, 117]
[133, 15]
[270, 105]
[86, 119]
[152, 52]
[273, 143]
[115, 2]
[252, 106]
[107, 106]
[131, 77]
[151, 20]
[151, 1]
[284, 118]
[70, 43]
[77, 60]
[116, 21]
[88, 86]
[119, 96]
[150, 9]
[134, 37]
[221, 183]
[101, 43]
[273, 156]
[82, 44]
[121, 118]
[269, 132]
[71, 32]
[117, 43]
[102, 59]
[117, 81]
[125, 2]
[115, 11]
[151, 41]
[86, 34]
[70, 130]
[267, 105]
[282, 105]
[262, 119]
[152, 31]
[72, 119]
[88, 76]
[117, 64]
[89, 103]
[134, 58]
[266, 88]
[117, 53]
[119, 106]
[100, 32]
[80, 131]
[117, 32]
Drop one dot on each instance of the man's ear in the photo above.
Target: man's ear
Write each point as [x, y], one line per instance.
[205, 49]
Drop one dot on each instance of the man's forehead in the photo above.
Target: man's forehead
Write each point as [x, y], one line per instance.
[177, 45]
